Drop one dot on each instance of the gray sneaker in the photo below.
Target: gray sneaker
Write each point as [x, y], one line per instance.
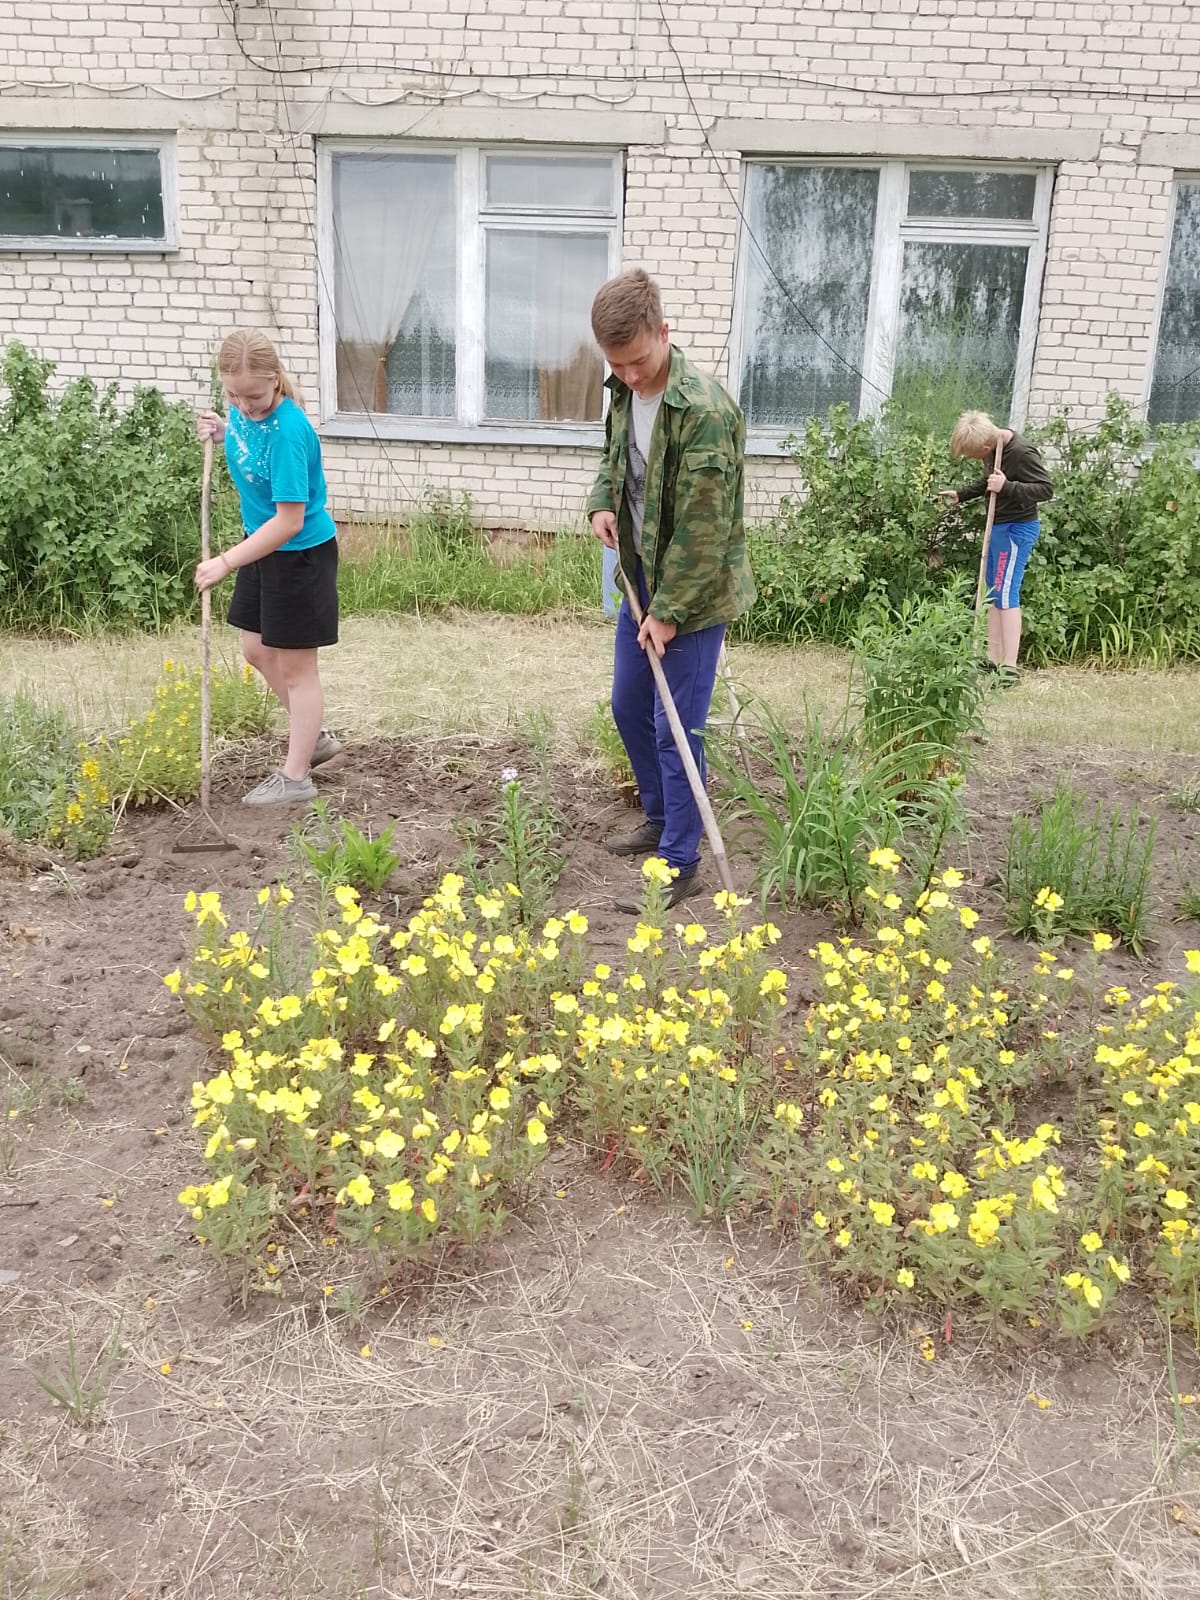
[280, 790]
[326, 747]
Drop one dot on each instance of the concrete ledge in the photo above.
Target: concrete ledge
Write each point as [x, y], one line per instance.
[486, 124]
[774, 136]
[111, 113]
[1180, 151]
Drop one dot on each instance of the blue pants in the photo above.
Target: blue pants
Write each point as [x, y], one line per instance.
[690, 668]
[1008, 551]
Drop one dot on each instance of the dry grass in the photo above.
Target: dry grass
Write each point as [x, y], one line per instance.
[480, 674]
[620, 1405]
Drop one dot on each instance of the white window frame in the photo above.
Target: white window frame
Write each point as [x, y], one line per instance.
[475, 222]
[163, 144]
[893, 230]
[1180, 177]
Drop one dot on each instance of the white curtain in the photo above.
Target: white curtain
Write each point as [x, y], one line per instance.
[387, 210]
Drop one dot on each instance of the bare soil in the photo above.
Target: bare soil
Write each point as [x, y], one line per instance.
[614, 1401]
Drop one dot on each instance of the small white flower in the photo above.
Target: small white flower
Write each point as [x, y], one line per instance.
[509, 775]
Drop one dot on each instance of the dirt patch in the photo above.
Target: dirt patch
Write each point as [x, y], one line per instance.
[614, 1402]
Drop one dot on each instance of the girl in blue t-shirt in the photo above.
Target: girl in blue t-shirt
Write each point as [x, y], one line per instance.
[285, 596]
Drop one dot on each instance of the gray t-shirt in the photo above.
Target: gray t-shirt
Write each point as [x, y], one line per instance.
[642, 415]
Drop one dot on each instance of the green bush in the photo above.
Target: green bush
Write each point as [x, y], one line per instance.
[99, 508]
[917, 680]
[1115, 574]
[37, 752]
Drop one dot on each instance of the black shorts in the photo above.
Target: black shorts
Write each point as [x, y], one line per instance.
[289, 597]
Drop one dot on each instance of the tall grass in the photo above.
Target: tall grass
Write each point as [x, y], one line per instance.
[439, 562]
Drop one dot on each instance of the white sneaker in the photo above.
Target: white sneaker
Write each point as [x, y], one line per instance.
[280, 790]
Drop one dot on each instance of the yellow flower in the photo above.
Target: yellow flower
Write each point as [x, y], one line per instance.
[886, 860]
[173, 980]
[905, 1278]
[360, 1191]
[500, 1099]
[1091, 1242]
[1102, 942]
[952, 878]
[820, 1220]
[535, 1131]
[967, 917]
[1048, 900]
[842, 1239]
[1175, 1200]
[655, 870]
[429, 1209]
[400, 1196]
[883, 1213]
[1192, 957]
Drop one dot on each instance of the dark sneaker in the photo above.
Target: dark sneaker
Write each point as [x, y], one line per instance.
[681, 889]
[987, 667]
[1007, 677]
[325, 749]
[642, 842]
[280, 790]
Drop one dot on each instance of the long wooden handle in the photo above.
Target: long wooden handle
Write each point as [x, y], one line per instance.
[679, 733]
[981, 587]
[206, 633]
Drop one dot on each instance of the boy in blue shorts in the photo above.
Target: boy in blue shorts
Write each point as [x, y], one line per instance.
[1019, 488]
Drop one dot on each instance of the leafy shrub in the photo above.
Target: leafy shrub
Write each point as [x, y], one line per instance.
[513, 849]
[99, 508]
[918, 683]
[37, 750]
[1072, 873]
[1115, 574]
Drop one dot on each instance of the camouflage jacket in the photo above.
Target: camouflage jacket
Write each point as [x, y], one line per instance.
[693, 541]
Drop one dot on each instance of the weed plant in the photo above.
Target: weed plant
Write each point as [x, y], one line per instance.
[1091, 869]
[336, 851]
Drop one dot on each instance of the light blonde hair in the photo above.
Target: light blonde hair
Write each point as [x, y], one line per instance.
[974, 431]
[247, 350]
[624, 307]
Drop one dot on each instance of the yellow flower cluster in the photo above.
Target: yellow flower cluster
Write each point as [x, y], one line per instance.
[397, 1093]
[156, 758]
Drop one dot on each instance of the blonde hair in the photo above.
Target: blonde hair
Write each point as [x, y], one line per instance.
[974, 431]
[246, 350]
[624, 307]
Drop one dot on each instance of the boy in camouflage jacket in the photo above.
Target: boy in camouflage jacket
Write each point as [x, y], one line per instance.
[668, 498]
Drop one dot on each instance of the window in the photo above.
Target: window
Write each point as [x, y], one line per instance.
[457, 286]
[1175, 391]
[80, 193]
[859, 283]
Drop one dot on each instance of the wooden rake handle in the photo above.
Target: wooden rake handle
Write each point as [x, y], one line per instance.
[679, 733]
[981, 587]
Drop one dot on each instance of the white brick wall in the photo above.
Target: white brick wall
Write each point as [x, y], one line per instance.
[974, 74]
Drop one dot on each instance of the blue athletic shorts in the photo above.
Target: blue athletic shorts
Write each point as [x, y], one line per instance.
[1008, 552]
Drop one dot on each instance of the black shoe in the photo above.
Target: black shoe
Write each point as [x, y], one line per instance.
[1007, 677]
[642, 841]
[986, 667]
[681, 889]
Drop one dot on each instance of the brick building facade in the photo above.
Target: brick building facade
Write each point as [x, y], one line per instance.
[840, 199]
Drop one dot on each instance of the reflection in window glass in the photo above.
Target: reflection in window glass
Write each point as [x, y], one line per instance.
[972, 194]
[541, 363]
[550, 183]
[1175, 394]
[395, 283]
[960, 321]
[88, 192]
[816, 226]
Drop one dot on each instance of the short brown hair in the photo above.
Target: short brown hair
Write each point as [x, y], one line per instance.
[624, 307]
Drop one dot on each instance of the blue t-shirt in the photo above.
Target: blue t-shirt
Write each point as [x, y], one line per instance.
[278, 461]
